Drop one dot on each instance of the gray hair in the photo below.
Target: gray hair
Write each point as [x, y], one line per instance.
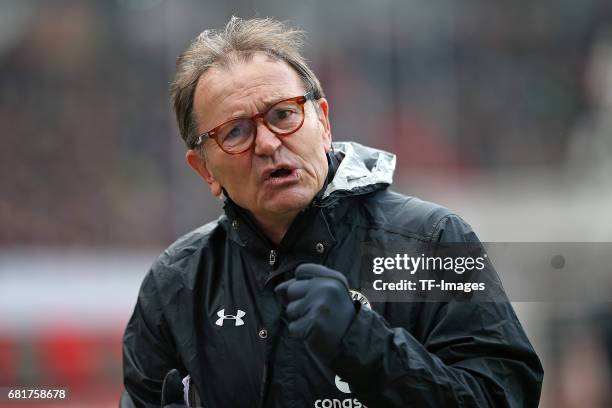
[238, 41]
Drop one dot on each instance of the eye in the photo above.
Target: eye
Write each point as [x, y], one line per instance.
[236, 131]
[282, 114]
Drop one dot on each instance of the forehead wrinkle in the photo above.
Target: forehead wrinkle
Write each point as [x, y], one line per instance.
[252, 88]
[244, 108]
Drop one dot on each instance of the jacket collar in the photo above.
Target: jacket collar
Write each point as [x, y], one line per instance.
[361, 170]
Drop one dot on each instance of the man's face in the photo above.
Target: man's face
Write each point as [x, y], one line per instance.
[249, 178]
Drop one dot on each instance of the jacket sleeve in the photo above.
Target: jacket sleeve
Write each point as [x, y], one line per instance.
[148, 348]
[461, 354]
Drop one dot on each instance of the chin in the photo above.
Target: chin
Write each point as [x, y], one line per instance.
[288, 202]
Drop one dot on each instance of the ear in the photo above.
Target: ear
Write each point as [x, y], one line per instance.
[324, 119]
[200, 166]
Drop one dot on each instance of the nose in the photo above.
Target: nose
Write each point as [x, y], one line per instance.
[266, 141]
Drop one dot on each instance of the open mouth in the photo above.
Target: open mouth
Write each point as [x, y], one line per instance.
[281, 176]
[279, 173]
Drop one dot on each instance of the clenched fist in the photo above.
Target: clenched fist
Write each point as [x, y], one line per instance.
[319, 307]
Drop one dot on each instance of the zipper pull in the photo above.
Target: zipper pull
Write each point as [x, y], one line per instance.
[272, 257]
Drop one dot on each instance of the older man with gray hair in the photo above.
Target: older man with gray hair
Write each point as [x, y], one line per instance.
[260, 308]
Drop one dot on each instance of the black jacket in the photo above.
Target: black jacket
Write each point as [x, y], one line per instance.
[207, 307]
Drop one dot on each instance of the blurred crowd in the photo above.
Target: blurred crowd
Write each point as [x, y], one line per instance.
[91, 156]
[85, 129]
[91, 153]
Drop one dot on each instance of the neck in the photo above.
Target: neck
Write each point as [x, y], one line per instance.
[275, 228]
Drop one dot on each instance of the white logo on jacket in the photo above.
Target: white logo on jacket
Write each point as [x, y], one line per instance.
[343, 387]
[237, 317]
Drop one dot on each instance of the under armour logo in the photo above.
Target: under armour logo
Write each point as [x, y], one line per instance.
[238, 317]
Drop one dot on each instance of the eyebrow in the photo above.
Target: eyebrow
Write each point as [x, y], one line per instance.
[271, 101]
[268, 102]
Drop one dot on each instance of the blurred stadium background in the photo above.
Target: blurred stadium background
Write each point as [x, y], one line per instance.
[499, 110]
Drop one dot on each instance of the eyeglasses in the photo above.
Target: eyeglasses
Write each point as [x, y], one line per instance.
[238, 135]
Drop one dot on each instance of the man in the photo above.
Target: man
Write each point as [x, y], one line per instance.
[254, 310]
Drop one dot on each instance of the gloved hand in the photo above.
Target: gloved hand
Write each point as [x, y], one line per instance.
[319, 307]
[172, 391]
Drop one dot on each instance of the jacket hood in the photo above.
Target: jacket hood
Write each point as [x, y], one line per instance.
[361, 170]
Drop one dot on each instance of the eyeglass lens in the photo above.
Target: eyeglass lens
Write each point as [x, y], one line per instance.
[282, 118]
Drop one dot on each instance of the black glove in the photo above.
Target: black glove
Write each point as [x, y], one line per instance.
[319, 307]
[172, 391]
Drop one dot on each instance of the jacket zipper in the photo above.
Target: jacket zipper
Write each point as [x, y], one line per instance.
[262, 391]
[272, 257]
